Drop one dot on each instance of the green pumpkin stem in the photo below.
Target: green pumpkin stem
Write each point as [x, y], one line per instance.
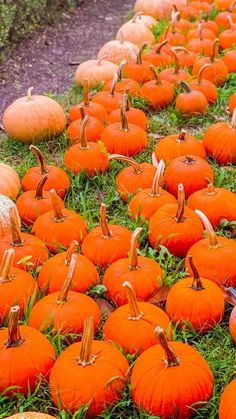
[6, 266]
[212, 237]
[86, 100]
[133, 250]
[72, 249]
[136, 166]
[14, 336]
[103, 222]
[15, 230]
[197, 283]
[180, 207]
[139, 55]
[86, 357]
[171, 359]
[156, 184]
[63, 294]
[58, 215]
[39, 189]
[134, 312]
[213, 55]
[153, 70]
[38, 154]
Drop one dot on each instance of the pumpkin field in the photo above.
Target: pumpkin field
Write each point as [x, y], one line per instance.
[118, 227]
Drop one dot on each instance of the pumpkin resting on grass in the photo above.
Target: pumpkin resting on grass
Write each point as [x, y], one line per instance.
[227, 408]
[158, 93]
[157, 56]
[205, 86]
[93, 129]
[174, 75]
[95, 71]
[109, 99]
[191, 102]
[133, 115]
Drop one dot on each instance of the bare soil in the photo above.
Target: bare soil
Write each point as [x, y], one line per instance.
[43, 60]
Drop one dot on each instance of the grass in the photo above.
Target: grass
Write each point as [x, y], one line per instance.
[84, 196]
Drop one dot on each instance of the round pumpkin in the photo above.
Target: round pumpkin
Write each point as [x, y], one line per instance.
[136, 32]
[95, 71]
[9, 181]
[93, 128]
[227, 408]
[205, 86]
[191, 102]
[118, 50]
[158, 93]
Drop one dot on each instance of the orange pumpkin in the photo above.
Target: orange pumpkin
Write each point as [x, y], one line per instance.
[138, 70]
[123, 85]
[9, 181]
[144, 274]
[205, 86]
[157, 8]
[202, 46]
[208, 24]
[93, 129]
[131, 326]
[158, 93]
[227, 38]
[89, 374]
[174, 37]
[227, 408]
[135, 32]
[222, 17]
[158, 56]
[173, 75]
[191, 102]
[229, 59]
[25, 354]
[186, 58]
[95, 71]
[109, 99]
[118, 50]
[133, 115]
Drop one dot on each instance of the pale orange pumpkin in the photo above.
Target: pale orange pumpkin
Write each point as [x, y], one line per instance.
[95, 71]
[9, 181]
[119, 50]
[136, 32]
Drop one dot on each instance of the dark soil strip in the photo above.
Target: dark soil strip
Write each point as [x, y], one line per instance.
[43, 60]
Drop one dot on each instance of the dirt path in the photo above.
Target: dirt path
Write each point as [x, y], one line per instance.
[42, 61]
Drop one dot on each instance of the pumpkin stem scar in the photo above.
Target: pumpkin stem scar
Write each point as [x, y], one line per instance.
[72, 249]
[6, 266]
[133, 250]
[136, 166]
[103, 222]
[58, 215]
[86, 357]
[134, 312]
[156, 184]
[179, 217]
[63, 294]
[14, 336]
[197, 283]
[35, 150]
[39, 189]
[170, 359]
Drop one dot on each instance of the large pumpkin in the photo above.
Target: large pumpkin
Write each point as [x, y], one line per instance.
[9, 181]
[34, 118]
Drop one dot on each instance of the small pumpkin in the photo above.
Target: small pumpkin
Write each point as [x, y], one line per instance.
[25, 354]
[183, 25]
[138, 70]
[135, 31]
[133, 115]
[123, 84]
[89, 374]
[227, 38]
[157, 8]
[227, 409]
[93, 129]
[201, 45]
[208, 24]
[229, 59]
[118, 50]
[174, 36]
[9, 181]
[7, 206]
[186, 57]
[206, 33]
[57, 177]
[158, 56]
[173, 75]
[158, 93]
[95, 71]
[191, 102]
[131, 326]
[144, 274]
[109, 99]
[205, 86]
[59, 227]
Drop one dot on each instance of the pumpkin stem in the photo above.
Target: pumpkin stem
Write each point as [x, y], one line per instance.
[215, 44]
[181, 49]
[167, 31]
[86, 92]
[200, 31]
[182, 136]
[39, 189]
[6, 266]
[185, 86]
[15, 231]
[153, 70]
[230, 20]
[180, 207]
[63, 294]
[86, 357]
[113, 85]
[120, 70]
[157, 179]
[103, 222]
[14, 337]
[233, 120]
[101, 59]
[136, 166]
[161, 45]
[210, 186]
[135, 16]
[58, 215]
[201, 71]
[197, 283]
[82, 112]
[139, 55]
[40, 158]
[171, 359]
[133, 250]
[231, 7]
[29, 94]
[83, 137]
[126, 99]
[72, 249]
[176, 58]
[124, 121]
[121, 37]
[213, 240]
[134, 312]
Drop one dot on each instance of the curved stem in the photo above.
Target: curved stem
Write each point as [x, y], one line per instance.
[171, 357]
[99, 61]
[233, 120]
[213, 240]
[126, 100]
[63, 294]
[15, 230]
[177, 66]
[197, 283]
[231, 8]
[83, 137]
[162, 44]
[181, 49]
[153, 70]
[39, 189]
[40, 158]
[58, 216]
[120, 70]
[124, 121]
[157, 179]
[113, 85]
[135, 16]
[185, 86]
[133, 250]
[215, 44]
[139, 55]
[200, 31]
[72, 249]
[136, 166]
[86, 92]
[14, 336]
[134, 312]
[82, 112]
[6, 266]
[201, 71]
[180, 207]
[182, 136]
[230, 20]
[167, 31]
[103, 222]
[29, 94]
[86, 357]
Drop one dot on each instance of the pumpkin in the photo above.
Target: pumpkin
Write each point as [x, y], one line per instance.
[204, 86]
[190, 170]
[134, 177]
[90, 108]
[169, 378]
[157, 8]
[205, 33]
[208, 24]
[7, 206]
[88, 156]
[123, 138]
[214, 256]
[131, 326]
[176, 145]
[175, 226]
[95, 71]
[202, 46]
[30, 252]
[158, 93]
[34, 118]
[109, 99]
[174, 37]
[216, 203]
[133, 115]
[59, 227]
[16, 286]
[224, 4]
[147, 19]
[189, 12]
[229, 59]
[53, 272]
[222, 18]
[158, 56]
[123, 85]
[89, 374]
[232, 326]
[186, 58]
[191, 102]
[144, 274]
[147, 201]
[57, 178]
[32, 204]
[197, 301]
[118, 50]
[219, 141]
[9, 181]
[64, 311]
[30, 415]
[24, 355]
[136, 32]
[183, 25]
[107, 243]
[173, 75]
[217, 71]
[227, 409]
[138, 70]
[201, 6]
[227, 38]
[93, 129]
[232, 103]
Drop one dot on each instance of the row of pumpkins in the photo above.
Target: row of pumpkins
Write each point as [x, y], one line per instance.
[94, 372]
